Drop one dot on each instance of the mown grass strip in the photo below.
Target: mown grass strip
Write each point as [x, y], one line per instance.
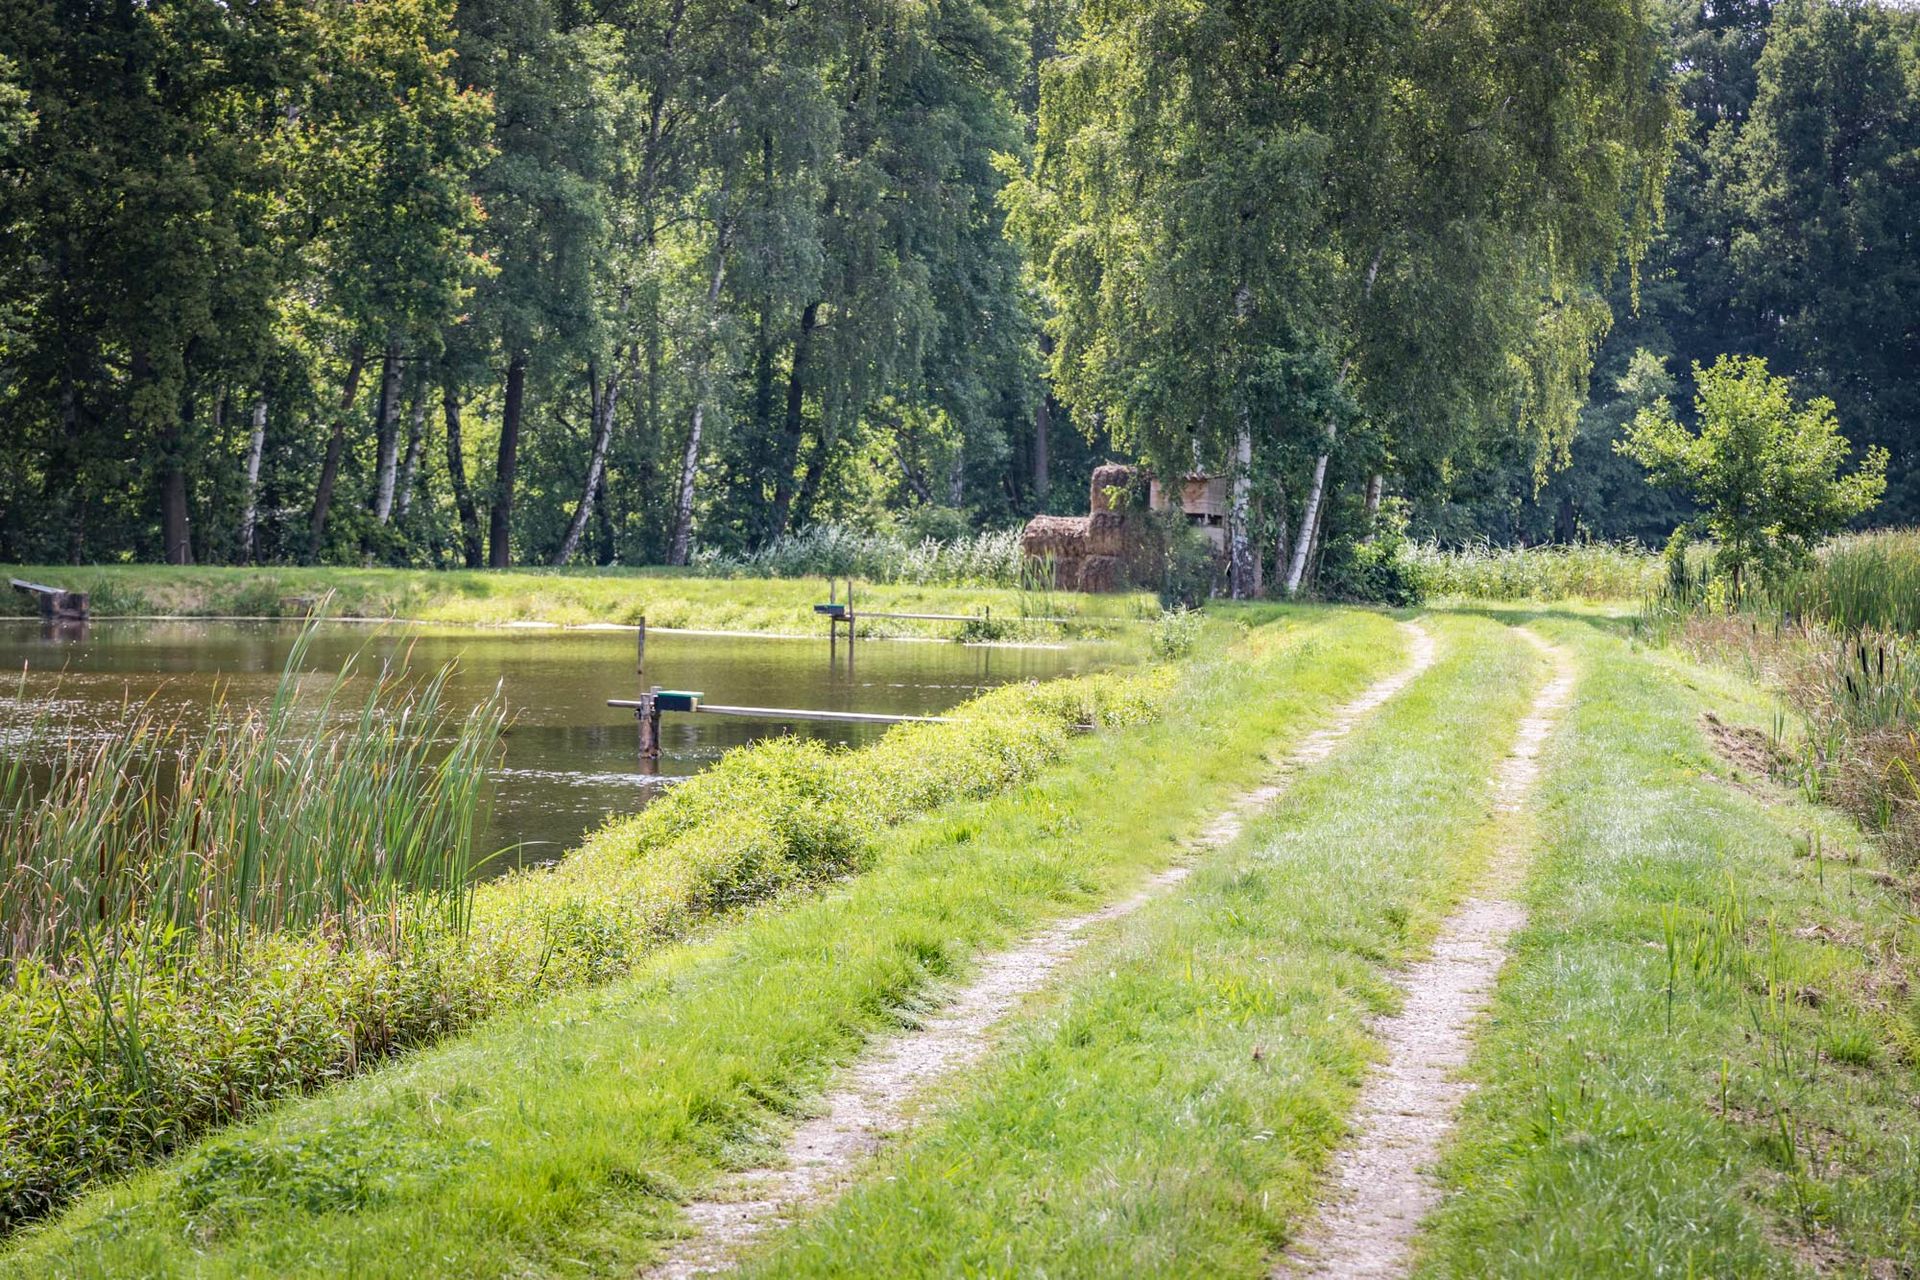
[557, 1140]
[1700, 1060]
[1166, 1114]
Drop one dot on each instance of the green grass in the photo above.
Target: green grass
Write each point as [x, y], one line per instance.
[1582, 571]
[1163, 1112]
[1700, 1060]
[150, 1037]
[557, 1139]
[665, 597]
[1868, 581]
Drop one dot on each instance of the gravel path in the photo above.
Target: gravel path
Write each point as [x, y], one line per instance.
[1381, 1185]
[871, 1100]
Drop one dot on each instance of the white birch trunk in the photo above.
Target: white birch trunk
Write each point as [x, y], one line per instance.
[604, 403]
[250, 509]
[389, 438]
[690, 462]
[1375, 483]
[416, 432]
[1241, 569]
[1309, 521]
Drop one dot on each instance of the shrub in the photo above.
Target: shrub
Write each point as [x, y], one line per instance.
[1378, 568]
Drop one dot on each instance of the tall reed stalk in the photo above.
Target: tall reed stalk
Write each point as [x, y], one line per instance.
[319, 809]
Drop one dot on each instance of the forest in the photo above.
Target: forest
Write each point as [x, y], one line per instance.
[444, 283]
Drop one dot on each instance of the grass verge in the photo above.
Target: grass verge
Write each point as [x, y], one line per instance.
[665, 597]
[556, 1139]
[1165, 1112]
[1700, 1059]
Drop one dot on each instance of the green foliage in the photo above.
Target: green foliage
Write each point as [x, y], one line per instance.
[989, 559]
[1376, 569]
[1765, 471]
[1176, 632]
[1866, 582]
[109, 1064]
[1581, 571]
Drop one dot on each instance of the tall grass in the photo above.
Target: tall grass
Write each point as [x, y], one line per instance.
[1868, 581]
[279, 817]
[1580, 571]
[989, 559]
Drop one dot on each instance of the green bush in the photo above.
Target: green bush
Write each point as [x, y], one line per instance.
[213, 1032]
[1378, 568]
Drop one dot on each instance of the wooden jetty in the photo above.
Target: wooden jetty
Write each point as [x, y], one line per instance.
[57, 604]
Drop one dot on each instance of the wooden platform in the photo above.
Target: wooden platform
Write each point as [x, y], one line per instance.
[57, 604]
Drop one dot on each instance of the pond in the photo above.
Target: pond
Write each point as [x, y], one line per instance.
[570, 760]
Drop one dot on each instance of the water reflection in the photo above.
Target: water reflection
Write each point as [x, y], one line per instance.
[570, 759]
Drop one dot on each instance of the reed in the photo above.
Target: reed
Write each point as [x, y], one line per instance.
[990, 559]
[1868, 581]
[354, 808]
[1581, 571]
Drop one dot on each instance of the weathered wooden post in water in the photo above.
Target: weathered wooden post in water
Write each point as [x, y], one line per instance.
[640, 657]
[648, 713]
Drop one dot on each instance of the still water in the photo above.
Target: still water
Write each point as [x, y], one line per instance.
[570, 759]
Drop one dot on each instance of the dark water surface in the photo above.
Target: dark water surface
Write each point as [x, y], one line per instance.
[570, 760]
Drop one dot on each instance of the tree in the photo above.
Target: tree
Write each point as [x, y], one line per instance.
[1299, 243]
[1766, 473]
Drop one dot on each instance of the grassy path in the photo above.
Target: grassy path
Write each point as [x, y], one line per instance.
[560, 1139]
[1381, 1185]
[822, 1152]
[1701, 1060]
[1164, 1108]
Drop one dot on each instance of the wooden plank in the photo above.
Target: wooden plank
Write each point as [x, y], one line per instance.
[796, 713]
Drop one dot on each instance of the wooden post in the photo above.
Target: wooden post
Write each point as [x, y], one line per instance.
[640, 657]
[648, 713]
[850, 623]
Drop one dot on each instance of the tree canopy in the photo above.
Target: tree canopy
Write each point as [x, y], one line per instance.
[472, 282]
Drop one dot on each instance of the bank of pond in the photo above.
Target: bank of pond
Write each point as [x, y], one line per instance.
[203, 912]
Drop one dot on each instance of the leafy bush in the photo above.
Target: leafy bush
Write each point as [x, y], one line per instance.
[1176, 632]
[1377, 568]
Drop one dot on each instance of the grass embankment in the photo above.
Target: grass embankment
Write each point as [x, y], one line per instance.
[664, 597]
[153, 1023]
[1701, 1058]
[1165, 1111]
[557, 1139]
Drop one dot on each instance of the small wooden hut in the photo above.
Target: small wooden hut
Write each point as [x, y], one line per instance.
[1108, 549]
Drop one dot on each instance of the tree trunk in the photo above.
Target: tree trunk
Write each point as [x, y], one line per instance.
[416, 434]
[1042, 430]
[678, 549]
[1279, 536]
[1309, 522]
[603, 551]
[1375, 483]
[793, 425]
[386, 434]
[174, 524]
[250, 507]
[604, 401]
[1242, 567]
[336, 450]
[500, 519]
[457, 473]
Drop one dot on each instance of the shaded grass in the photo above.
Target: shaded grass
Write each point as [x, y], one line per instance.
[665, 597]
[1700, 1058]
[555, 1140]
[1165, 1111]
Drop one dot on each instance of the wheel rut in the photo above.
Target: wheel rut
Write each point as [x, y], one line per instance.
[1381, 1185]
[871, 1100]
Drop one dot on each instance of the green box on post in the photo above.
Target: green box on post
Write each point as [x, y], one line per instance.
[831, 610]
[676, 700]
